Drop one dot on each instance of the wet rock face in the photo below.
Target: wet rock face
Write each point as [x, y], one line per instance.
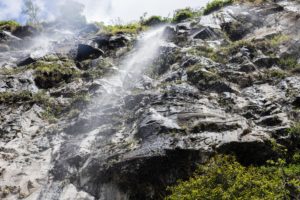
[85, 52]
[74, 124]
[25, 31]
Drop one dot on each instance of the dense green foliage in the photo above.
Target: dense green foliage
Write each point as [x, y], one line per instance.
[215, 5]
[224, 178]
[154, 20]
[9, 23]
[183, 14]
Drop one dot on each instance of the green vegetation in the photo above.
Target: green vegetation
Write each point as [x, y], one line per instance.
[224, 178]
[52, 108]
[289, 63]
[198, 75]
[12, 71]
[132, 28]
[278, 39]
[154, 20]
[183, 14]
[277, 73]
[294, 131]
[48, 74]
[208, 52]
[9, 23]
[215, 5]
[15, 98]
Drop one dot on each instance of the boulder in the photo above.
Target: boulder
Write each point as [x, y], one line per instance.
[296, 102]
[205, 33]
[26, 61]
[266, 61]
[102, 41]
[25, 31]
[118, 41]
[235, 30]
[85, 52]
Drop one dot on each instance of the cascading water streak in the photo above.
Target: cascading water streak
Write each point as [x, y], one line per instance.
[92, 142]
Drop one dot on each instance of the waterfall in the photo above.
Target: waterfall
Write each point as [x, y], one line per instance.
[90, 143]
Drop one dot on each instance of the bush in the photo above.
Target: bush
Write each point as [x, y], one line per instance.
[215, 5]
[48, 75]
[224, 178]
[294, 131]
[9, 25]
[154, 20]
[183, 14]
[289, 63]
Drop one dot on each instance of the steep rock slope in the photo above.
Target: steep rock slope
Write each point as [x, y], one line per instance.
[77, 124]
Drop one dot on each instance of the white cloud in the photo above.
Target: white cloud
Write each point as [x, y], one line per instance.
[102, 10]
[10, 9]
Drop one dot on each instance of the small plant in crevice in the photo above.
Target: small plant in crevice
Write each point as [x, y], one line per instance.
[289, 63]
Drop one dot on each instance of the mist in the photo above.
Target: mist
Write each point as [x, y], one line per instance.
[100, 10]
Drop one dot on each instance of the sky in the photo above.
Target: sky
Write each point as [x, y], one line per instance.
[108, 11]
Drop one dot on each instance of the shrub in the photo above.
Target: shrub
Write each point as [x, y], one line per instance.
[132, 28]
[215, 5]
[48, 75]
[294, 131]
[289, 63]
[276, 73]
[183, 14]
[154, 20]
[9, 25]
[278, 39]
[224, 178]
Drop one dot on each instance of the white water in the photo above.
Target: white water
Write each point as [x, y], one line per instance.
[133, 66]
[114, 88]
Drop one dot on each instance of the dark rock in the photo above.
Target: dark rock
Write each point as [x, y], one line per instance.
[183, 26]
[249, 152]
[118, 41]
[205, 33]
[189, 62]
[296, 102]
[85, 52]
[209, 81]
[265, 61]
[6, 37]
[27, 61]
[25, 31]
[272, 120]
[102, 41]
[247, 67]
[235, 30]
